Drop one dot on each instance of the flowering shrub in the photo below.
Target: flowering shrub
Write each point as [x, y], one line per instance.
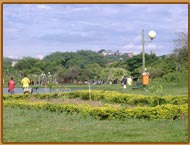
[135, 106]
[108, 96]
[106, 112]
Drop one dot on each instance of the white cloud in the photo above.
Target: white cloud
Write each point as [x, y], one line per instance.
[132, 48]
[72, 27]
[137, 39]
[156, 48]
[13, 57]
[44, 7]
[39, 56]
[137, 48]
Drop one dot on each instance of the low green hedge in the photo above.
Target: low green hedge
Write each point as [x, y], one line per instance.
[107, 112]
[108, 96]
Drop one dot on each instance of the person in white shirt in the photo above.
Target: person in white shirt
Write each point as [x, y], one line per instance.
[129, 81]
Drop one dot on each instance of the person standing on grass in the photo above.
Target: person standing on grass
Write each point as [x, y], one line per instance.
[124, 82]
[11, 86]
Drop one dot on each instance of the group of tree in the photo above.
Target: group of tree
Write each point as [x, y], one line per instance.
[85, 65]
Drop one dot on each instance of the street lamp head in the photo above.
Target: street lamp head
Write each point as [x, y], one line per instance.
[152, 35]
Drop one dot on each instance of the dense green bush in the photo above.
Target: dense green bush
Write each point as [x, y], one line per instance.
[180, 77]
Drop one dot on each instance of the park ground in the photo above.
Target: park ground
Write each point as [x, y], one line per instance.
[25, 125]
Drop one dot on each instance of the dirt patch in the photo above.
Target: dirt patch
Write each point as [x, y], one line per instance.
[76, 101]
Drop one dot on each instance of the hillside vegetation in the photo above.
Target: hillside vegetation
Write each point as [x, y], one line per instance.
[85, 65]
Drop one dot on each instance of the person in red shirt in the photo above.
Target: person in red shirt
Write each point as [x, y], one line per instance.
[11, 86]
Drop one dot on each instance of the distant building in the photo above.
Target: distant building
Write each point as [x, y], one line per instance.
[14, 62]
[130, 55]
[116, 53]
[107, 52]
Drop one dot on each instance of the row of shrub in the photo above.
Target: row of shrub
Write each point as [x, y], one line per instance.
[131, 99]
[108, 96]
[106, 112]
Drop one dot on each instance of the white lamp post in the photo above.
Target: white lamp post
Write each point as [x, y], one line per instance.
[151, 35]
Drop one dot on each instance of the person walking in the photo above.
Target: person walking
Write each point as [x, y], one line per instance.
[124, 82]
[11, 86]
[129, 80]
[25, 82]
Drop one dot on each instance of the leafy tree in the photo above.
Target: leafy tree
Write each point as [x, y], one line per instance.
[8, 69]
[166, 66]
[94, 71]
[7, 65]
[134, 62]
[61, 75]
[80, 58]
[110, 74]
[73, 73]
[28, 65]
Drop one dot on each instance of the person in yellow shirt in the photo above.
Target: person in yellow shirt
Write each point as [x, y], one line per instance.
[25, 82]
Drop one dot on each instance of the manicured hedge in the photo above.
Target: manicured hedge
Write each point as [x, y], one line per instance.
[106, 112]
[109, 96]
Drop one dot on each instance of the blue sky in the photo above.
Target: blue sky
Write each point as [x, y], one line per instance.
[37, 30]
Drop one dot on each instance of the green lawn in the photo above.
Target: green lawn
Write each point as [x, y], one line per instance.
[172, 89]
[22, 125]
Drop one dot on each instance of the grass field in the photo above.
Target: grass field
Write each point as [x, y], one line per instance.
[22, 125]
[168, 88]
